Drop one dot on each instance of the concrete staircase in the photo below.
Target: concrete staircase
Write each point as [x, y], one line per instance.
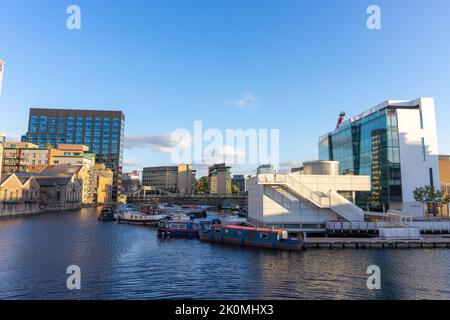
[332, 200]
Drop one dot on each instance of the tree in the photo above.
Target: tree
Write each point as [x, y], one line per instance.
[234, 189]
[445, 201]
[430, 197]
[201, 185]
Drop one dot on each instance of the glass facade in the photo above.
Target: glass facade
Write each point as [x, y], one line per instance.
[101, 131]
[369, 146]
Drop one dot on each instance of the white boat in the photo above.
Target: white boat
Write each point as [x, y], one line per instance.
[170, 209]
[180, 217]
[136, 217]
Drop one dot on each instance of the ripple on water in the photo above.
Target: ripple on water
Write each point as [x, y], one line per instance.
[130, 262]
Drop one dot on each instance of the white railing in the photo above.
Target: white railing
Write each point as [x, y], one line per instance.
[305, 192]
[358, 225]
[398, 217]
[345, 208]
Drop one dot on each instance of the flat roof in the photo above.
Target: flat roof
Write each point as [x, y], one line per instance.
[381, 106]
[161, 168]
[64, 110]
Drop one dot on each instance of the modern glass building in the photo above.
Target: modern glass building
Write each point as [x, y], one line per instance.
[101, 131]
[395, 143]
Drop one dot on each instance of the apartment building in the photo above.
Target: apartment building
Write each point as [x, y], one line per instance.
[173, 179]
[24, 157]
[219, 179]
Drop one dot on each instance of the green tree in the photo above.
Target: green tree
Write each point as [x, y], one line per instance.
[445, 201]
[234, 189]
[430, 197]
[201, 185]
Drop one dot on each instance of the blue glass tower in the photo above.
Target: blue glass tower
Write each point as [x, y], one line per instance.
[101, 131]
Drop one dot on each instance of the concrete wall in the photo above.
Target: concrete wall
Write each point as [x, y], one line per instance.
[444, 167]
[414, 169]
[325, 183]
[275, 207]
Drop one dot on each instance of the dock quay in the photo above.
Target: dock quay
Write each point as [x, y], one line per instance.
[427, 242]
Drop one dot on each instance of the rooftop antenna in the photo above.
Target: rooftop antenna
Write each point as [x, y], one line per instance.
[340, 119]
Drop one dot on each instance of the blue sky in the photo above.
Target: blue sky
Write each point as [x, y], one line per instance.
[294, 65]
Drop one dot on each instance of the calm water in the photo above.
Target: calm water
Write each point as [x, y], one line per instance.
[130, 262]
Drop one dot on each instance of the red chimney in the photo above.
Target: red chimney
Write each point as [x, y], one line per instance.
[340, 119]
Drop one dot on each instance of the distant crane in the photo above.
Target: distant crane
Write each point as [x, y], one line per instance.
[340, 119]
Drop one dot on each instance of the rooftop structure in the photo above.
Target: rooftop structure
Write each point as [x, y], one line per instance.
[305, 202]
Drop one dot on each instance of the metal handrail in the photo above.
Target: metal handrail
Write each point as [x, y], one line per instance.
[303, 190]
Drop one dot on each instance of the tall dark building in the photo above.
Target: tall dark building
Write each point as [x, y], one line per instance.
[101, 131]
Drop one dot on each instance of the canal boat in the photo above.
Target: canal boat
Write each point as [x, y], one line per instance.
[136, 217]
[196, 212]
[106, 214]
[184, 228]
[230, 207]
[254, 237]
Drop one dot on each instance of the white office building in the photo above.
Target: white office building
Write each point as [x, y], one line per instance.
[395, 143]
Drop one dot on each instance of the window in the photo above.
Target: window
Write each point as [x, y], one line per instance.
[424, 150]
[264, 236]
[431, 177]
[178, 226]
[218, 230]
[421, 118]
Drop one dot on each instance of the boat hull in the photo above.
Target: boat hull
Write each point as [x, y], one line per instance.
[252, 237]
[142, 223]
[138, 222]
[162, 232]
[249, 243]
[106, 219]
[106, 215]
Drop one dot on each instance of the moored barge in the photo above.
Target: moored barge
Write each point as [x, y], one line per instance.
[135, 217]
[254, 237]
[184, 227]
[106, 214]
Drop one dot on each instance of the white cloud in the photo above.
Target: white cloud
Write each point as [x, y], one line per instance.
[13, 137]
[246, 101]
[130, 163]
[162, 143]
[288, 165]
[228, 151]
[223, 153]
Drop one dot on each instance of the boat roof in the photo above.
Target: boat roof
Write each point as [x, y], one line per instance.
[231, 226]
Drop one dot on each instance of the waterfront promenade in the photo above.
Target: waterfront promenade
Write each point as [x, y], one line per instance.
[427, 242]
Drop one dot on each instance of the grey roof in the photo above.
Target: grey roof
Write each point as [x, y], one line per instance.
[61, 169]
[35, 174]
[56, 181]
[4, 177]
[23, 180]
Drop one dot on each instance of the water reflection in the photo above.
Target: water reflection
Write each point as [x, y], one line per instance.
[129, 262]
